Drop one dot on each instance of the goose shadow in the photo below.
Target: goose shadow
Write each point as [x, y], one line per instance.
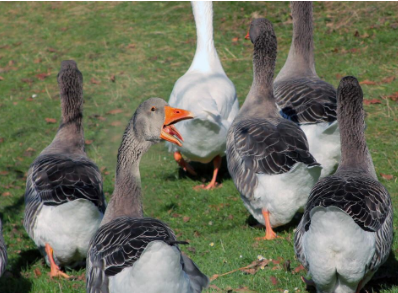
[204, 172]
[13, 281]
[385, 278]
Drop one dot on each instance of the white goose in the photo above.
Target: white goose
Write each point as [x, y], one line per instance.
[306, 99]
[129, 253]
[268, 156]
[206, 91]
[64, 201]
[346, 232]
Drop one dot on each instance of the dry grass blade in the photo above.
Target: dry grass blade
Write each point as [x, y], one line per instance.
[249, 269]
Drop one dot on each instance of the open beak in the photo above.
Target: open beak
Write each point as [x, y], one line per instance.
[172, 116]
[247, 37]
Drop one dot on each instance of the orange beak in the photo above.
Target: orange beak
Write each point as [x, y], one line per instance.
[172, 116]
[247, 37]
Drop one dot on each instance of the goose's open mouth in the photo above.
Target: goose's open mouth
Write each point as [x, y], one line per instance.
[172, 116]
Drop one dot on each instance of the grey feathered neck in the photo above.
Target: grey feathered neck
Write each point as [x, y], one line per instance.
[351, 119]
[260, 99]
[70, 135]
[300, 61]
[126, 198]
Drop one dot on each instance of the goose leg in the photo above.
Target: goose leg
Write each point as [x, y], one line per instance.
[213, 183]
[217, 165]
[183, 164]
[269, 233]
[55, 270]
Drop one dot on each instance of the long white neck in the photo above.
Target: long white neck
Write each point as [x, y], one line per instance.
[300, 61]
[206, 58]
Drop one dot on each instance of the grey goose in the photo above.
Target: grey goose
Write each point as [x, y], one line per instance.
[346, 232]
[131, 253]
[267, 155]
[303, 97]
[64, 201]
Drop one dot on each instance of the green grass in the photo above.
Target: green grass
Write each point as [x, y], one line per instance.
[147, 46]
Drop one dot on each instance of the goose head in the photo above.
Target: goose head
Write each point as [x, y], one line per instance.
[154, 120]
[259, 27]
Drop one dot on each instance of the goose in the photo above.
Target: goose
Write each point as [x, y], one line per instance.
[130, 253]
[3, 252]
[207, 92]
[267, 155]
[306, 99]
[346, 231]
[64, 201]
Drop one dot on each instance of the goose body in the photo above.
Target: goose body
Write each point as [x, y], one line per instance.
[3, 252]
[64, 201]
[130, 253]
[306, 99]
[169, 276]
[268, 156]
[346, 231]
[206, 91]
[293, 189]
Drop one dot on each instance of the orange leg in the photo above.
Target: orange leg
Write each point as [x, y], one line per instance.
[55, 271]
[213, 183]
[183, 164]
[269, 233]
[217, 165]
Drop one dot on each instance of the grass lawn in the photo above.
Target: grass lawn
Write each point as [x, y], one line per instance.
[129, 52]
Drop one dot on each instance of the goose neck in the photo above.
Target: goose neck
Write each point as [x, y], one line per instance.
[126, 199]
[300, 60]
[206, 58]
[261, 98]
[70, 135]
[354, 151]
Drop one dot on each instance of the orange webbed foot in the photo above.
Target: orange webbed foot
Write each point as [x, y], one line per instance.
[55, 270]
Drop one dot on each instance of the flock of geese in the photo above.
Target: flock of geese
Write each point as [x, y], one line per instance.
[295, 145]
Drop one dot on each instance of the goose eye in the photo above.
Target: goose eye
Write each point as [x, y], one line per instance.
[153, 109]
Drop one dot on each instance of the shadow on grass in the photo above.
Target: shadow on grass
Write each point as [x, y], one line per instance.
[14, 281]
[204, 171]
[385, 278]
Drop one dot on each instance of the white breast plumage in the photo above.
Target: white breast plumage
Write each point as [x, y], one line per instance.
[68, 228]
[158, 270]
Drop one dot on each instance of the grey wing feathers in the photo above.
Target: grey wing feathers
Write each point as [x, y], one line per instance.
[199, 281]
[364, 199]
[3, 252]
[118, 244]
[259, 146]
[306, 100]
[57, 179]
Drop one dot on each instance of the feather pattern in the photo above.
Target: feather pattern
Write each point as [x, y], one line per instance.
[362, 198]
[120, 243]
[55, 179]
[306, 100]
[264, 146]
[3, 251]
